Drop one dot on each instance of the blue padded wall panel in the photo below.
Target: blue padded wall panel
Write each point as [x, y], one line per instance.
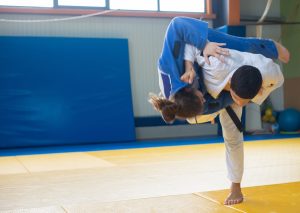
[58, 91]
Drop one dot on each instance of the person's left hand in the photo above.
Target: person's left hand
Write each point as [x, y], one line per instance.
[216, 50]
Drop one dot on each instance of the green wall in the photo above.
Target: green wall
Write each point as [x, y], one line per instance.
[290, 11]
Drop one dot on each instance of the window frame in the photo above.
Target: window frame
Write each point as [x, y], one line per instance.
[79, 10]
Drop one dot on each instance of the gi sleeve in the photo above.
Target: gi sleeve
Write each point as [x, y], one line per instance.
[271, 73]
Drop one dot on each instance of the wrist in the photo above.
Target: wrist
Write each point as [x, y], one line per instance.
[188, 65]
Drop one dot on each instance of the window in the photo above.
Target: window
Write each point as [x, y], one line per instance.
[145, 5]
[133, 4]
[82, 3]
[31, 3]
[129, 8]
[183, 6]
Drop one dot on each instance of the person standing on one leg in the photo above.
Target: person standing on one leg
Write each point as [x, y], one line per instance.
[268, 75]
[181, 30]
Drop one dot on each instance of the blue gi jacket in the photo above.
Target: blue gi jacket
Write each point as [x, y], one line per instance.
[183, 31]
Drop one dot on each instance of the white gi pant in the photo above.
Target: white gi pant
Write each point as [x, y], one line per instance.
[234, 145]
[233, 139]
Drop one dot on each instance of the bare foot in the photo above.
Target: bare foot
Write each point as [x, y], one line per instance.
[235, 195]
[283, 53]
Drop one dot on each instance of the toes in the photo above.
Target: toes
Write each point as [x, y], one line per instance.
[226, 202]
[233, 201]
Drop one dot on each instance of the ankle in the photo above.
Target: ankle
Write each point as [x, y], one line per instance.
[235, 187]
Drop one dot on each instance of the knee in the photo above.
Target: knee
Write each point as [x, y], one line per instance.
[233, 143]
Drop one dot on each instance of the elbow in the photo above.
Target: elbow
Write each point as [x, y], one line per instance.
[277, 76]
[281, 82]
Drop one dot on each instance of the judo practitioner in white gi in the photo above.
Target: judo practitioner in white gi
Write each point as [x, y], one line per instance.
[229, 78]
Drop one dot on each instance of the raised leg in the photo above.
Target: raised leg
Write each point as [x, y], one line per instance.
[265, 47]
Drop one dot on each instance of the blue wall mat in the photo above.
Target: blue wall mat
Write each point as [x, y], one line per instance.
[59, 91]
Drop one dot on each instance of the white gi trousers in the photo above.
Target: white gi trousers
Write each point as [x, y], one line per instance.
[234, 145]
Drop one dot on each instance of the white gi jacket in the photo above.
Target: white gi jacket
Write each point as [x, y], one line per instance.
[217, 75]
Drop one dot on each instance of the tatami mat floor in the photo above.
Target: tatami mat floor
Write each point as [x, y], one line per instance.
[163, 179]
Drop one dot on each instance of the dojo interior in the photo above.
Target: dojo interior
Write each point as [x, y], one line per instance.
[77, 133]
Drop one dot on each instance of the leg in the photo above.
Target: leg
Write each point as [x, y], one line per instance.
[234, 154]
[171, 62]
[265, 47]
[187, 30]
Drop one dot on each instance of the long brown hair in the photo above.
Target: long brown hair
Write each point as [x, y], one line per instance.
[184, 104]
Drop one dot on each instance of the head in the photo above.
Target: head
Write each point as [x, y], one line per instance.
[245, 84]
[186, 103]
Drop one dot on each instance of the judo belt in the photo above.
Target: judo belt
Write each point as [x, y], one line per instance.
[235, 118]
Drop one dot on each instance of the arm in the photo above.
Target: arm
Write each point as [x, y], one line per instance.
[272, 79]
[192, 54]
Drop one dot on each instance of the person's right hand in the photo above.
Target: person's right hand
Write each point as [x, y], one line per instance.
[216, 50]
[189, 74]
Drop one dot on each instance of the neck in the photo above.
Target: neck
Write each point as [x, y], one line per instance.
[227, 87]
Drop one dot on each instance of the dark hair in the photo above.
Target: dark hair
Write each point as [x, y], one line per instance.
[246, 81]
[185, 103]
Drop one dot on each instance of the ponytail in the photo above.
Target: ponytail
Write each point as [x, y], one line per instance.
[168, 109]
[186, 103]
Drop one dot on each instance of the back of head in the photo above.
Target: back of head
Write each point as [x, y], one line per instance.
[246, 82]
[184, 104]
